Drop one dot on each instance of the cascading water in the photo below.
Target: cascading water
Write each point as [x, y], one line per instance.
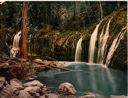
[102, 43]
[99, 58]
[15, 48]
[114, 45]
[78, 50]
[92, 43]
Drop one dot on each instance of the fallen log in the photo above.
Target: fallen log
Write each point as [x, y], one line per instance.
[50, 64]
[22, 68]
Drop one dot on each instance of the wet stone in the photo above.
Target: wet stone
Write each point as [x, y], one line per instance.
[67, 88]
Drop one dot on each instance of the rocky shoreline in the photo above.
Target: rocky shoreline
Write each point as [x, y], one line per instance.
[35, 89]
[13, 67]
[15, 70]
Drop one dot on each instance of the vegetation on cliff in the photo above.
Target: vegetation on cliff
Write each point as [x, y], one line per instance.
[55, 27]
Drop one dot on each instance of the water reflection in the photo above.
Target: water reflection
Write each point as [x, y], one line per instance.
[84, 77]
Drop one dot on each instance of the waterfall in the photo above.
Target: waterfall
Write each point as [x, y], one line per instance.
[99, 58]
[15, 47]
[103, 43]
[78, 50]
[92, 43]
[114, 45]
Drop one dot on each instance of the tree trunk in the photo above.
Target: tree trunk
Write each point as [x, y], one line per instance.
[101, 10]
[75, 9]
[118, 4]
[23, 50]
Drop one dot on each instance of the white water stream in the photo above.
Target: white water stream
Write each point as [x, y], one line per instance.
[115, 45]
[92, 43]
[78, 50]
[15, 47]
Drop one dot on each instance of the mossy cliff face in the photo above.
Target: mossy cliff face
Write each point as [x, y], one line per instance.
[61, 45]
[119, 58]
[58, 45]
[6, 36]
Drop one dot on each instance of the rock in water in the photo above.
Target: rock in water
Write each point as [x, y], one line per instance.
[67, 88]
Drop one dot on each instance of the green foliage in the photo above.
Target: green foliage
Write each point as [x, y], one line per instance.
[60, 15]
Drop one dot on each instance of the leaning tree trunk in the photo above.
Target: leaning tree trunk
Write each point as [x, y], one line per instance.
[23, 51]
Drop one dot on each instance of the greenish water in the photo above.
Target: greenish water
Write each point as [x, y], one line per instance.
[88, 78]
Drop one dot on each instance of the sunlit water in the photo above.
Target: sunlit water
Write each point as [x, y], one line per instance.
[88, 78]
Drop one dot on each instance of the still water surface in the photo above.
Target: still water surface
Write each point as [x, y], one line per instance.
[88, 78]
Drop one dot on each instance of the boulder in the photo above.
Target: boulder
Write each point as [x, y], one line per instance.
[2, 82]
[6, 92]
[44, 90]
[15, 83]
[51, 95]
[33, 83]
[67, 88]
[24, 94]
[42, 96]
[32, 89]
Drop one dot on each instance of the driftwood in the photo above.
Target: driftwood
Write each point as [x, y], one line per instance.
[23, 69]
[51, 65]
